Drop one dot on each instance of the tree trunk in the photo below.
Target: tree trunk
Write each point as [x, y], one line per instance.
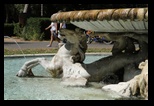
[41, 10]
[23, 17]
[7, 14]
[25, 8]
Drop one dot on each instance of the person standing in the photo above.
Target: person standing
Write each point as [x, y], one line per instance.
[54, 29]
[62, 25]
[88, 32]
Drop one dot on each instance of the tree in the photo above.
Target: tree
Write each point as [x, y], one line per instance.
[9, 11]
[12, 12]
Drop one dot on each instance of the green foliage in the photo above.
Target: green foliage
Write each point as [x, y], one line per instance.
[34, 29]
[17, 30]
[8, 29]
[19, 7]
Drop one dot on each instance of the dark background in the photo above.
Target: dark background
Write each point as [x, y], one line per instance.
[12, 11]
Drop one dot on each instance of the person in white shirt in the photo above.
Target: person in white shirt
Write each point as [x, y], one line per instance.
[54, 27]
[54, 31]
[62, 25]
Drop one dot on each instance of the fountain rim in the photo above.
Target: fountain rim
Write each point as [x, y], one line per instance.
[133, 14]
[106, 20]
[52, 54]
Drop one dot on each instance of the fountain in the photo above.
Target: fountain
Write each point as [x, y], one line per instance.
[124, 26]
[16, 44]
[125, 72]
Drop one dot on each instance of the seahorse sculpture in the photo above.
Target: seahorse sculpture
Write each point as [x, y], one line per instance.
[65, 60]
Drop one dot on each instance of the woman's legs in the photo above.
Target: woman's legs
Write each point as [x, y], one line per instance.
[51, 40]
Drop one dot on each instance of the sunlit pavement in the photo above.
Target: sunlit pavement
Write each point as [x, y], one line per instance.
[10, 44]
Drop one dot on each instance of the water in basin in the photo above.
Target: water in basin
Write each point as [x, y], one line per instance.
[43, 87]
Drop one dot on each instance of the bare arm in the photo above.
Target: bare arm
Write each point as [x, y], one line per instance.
[61, 24]
[48, 27]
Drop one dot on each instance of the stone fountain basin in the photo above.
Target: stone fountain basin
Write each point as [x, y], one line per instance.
[43, 87]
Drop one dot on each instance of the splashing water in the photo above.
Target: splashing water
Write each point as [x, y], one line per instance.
[16, 44]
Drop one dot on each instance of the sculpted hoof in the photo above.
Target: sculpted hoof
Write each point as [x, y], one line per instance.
[21, 73]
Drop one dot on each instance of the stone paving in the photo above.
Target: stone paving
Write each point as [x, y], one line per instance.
[9, 43]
